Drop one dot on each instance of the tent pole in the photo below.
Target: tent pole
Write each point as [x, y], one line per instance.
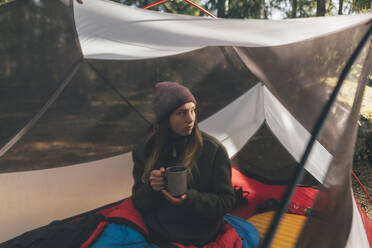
[154, 4]
[187, 1]
[300, 171]
[200, 8]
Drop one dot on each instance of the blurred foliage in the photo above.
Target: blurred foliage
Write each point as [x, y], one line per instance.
[220, 8]
[174, 6]
[363, 146]
[306, 8]
[2, 2]
[260, 9]
[361, 5]
[247, 9]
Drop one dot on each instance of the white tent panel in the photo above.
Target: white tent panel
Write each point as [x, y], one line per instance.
[108, 30]
[235, 124]
[103, 48]
[294, 137]
[358, 236]
[42, 196]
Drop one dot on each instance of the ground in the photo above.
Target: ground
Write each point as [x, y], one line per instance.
[363, 155]
[364, 173]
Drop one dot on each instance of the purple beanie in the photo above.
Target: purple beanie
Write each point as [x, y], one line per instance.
[168, 97]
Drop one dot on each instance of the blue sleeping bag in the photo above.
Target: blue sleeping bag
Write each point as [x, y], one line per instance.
[117, 235]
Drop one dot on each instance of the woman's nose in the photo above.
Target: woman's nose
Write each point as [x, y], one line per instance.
[189, 117]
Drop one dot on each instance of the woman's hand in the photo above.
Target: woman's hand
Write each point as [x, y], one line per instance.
[174, 200]
[157, 179]
[157, 183]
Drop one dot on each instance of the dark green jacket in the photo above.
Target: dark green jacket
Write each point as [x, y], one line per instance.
[209, 197]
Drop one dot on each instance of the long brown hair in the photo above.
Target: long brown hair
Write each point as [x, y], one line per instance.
[162, 138]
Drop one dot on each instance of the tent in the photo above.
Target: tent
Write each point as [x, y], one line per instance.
[77, 83]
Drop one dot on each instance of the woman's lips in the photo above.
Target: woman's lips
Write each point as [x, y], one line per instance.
[188, 128]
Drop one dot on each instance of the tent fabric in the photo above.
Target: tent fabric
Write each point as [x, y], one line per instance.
[251, 110]
[305, 89]
[225, 125]
[358, 237]
[366, 222]
[61, 192]
[24, 59]
[88, 132]
[89, 120]
[294, 136]
[338, 180]
[149, 34]
[32, 122]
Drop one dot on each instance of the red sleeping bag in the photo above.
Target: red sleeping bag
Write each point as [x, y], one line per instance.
[125, 213]
[258, 192]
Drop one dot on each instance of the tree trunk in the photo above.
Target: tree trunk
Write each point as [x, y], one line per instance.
[221, 8]
[227, 7]
[320, 7]
[294, 8]
[340, 6]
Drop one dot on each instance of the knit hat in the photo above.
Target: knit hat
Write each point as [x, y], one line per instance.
[168, 97]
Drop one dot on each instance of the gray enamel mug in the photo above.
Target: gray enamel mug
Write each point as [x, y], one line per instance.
[176, 180]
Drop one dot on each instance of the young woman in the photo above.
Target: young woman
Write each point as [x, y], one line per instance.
[194, 218]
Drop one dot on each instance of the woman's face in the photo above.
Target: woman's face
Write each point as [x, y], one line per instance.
[182, 120]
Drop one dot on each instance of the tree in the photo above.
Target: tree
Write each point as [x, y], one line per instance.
[294, 9]
[306, 8]
[361, 5]
[247, 9]
[221, 6]
[340, 6]
[320, 7]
